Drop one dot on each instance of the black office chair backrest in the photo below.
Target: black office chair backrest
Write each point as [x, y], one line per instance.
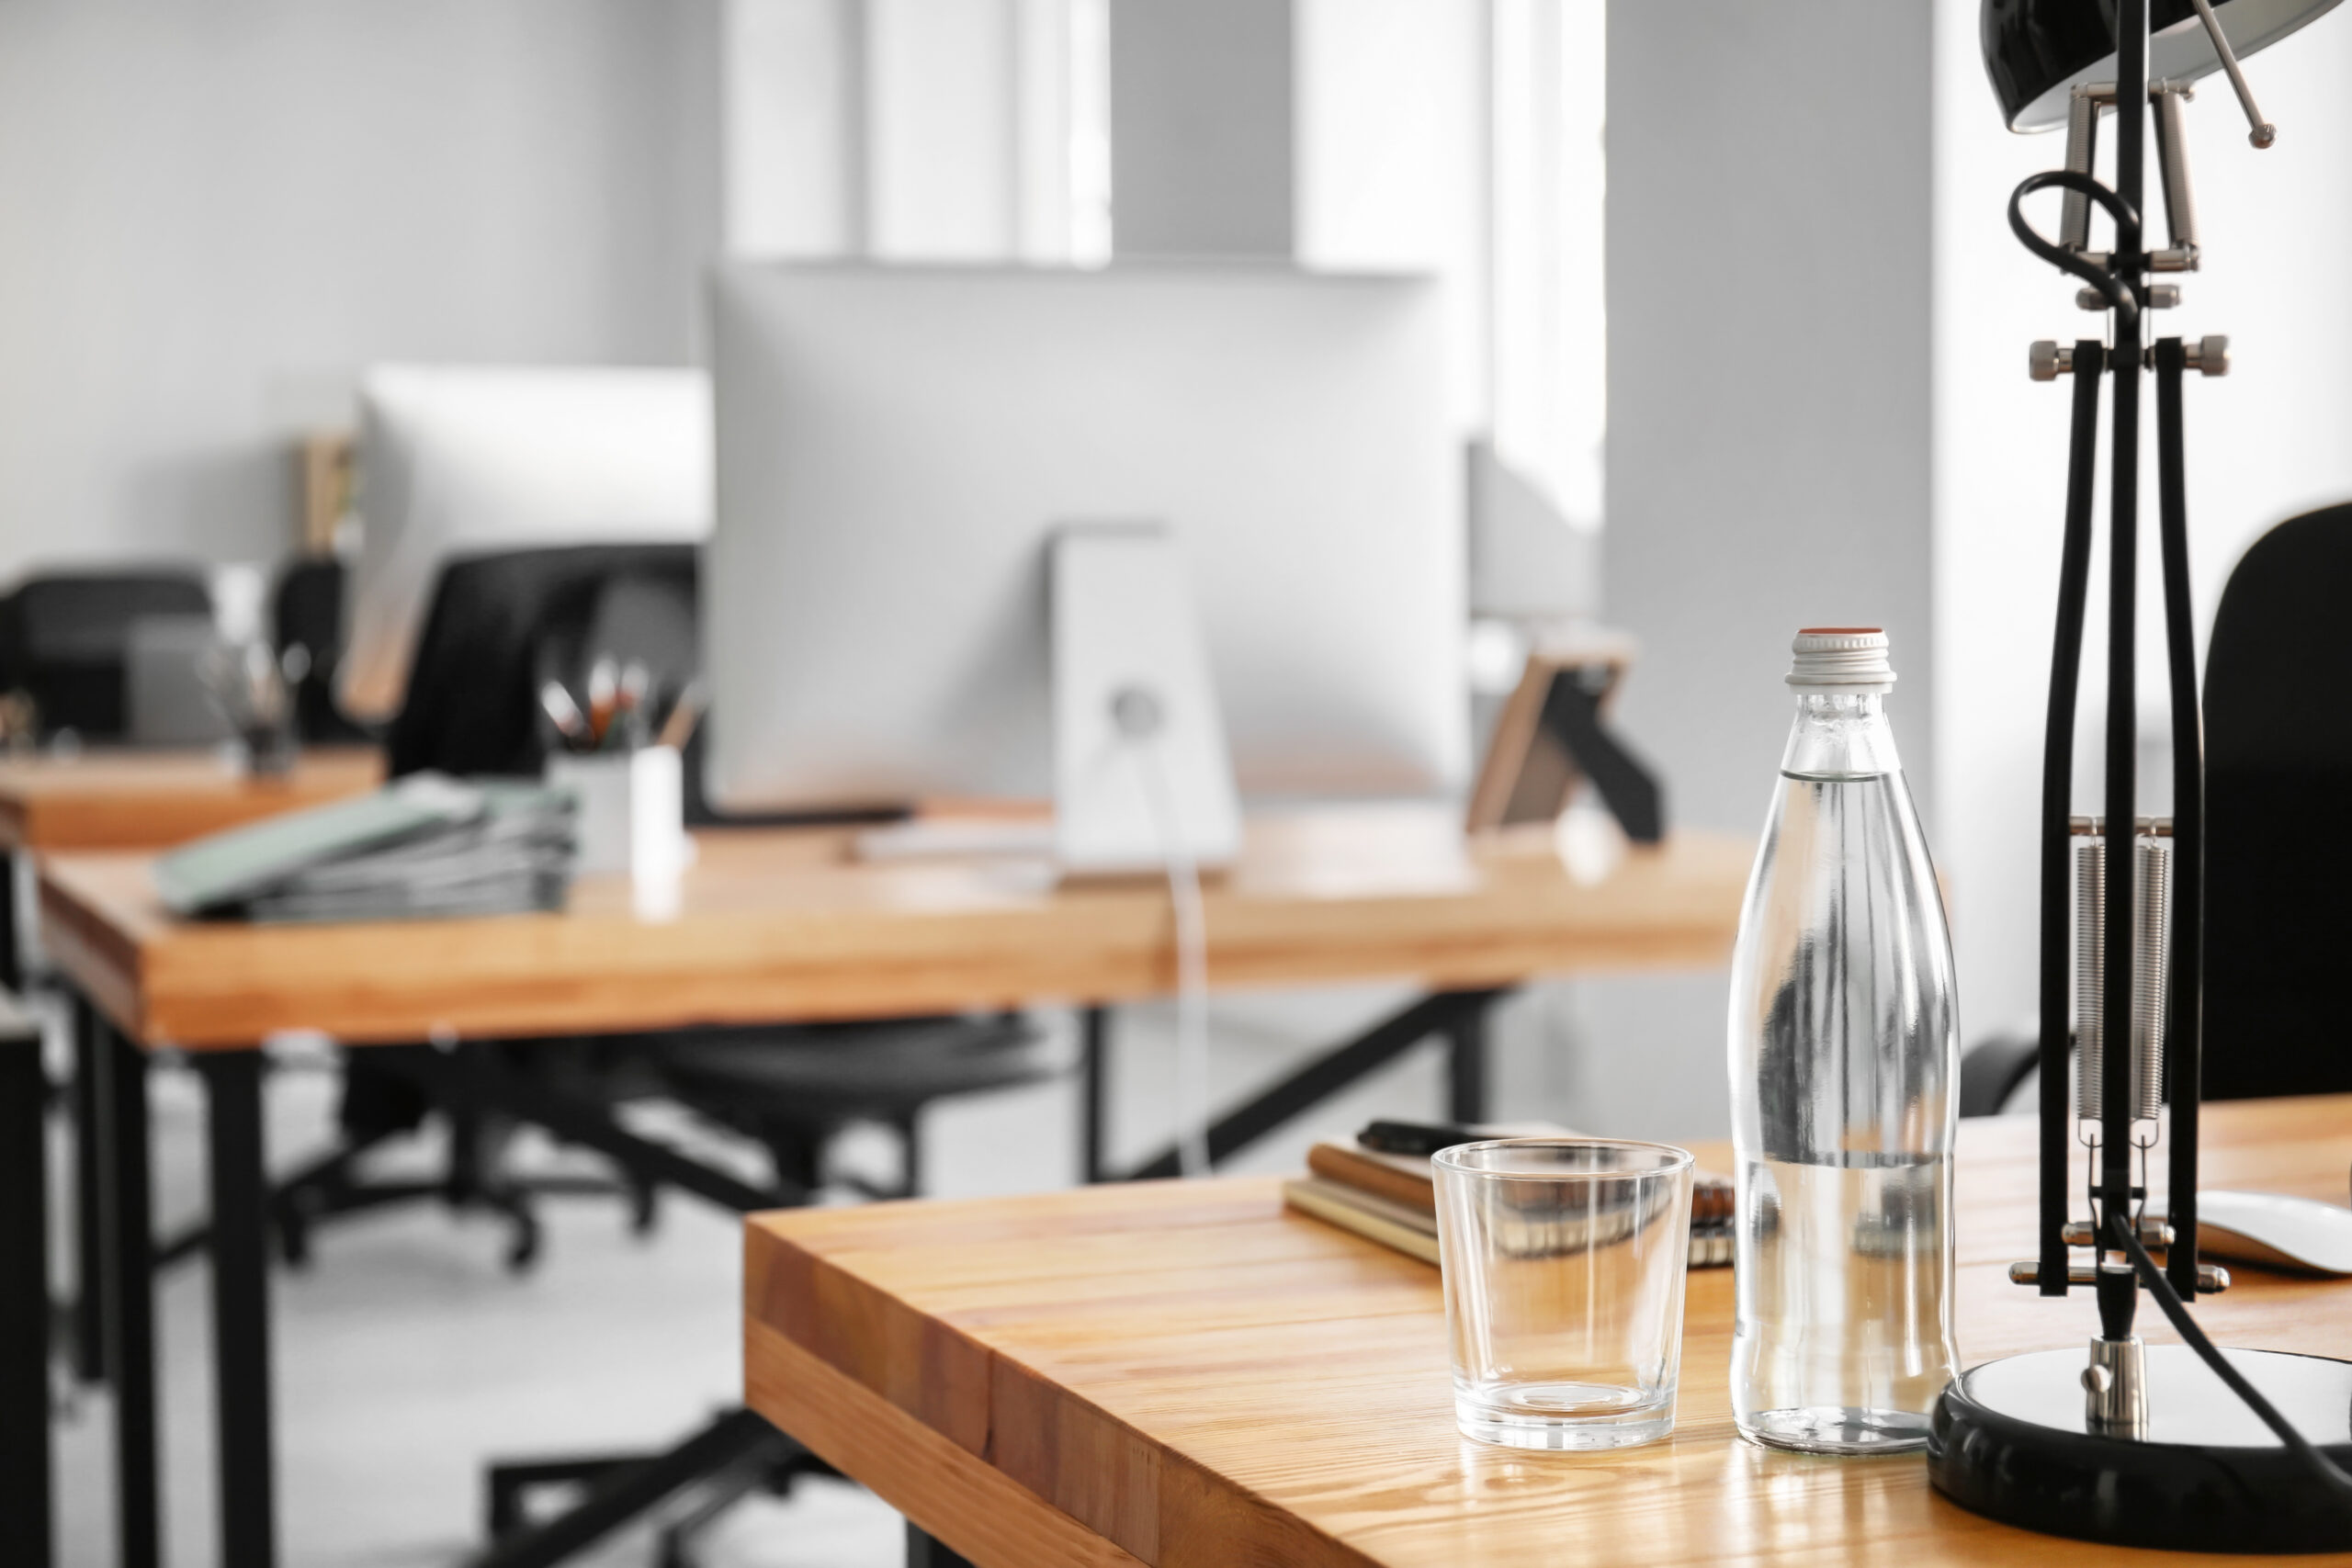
[68, 638]
[307, 613]
[498, 626]
[2279, 767]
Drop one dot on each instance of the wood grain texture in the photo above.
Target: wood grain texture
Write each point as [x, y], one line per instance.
[958, 1499]
[1288, 1385]
[152, 800]
[771, 926]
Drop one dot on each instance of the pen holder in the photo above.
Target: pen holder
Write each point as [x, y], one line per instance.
[632, 808]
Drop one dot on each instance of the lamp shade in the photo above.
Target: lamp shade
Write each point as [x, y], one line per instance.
[2039, 51]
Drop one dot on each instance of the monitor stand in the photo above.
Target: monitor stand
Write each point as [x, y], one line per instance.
[1141, 776]
[1142, 780]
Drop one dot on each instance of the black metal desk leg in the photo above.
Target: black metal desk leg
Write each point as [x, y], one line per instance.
[1465, 1067]
[89, 1194]
[1093, 1088]
[130, 1296]
[923, 1551]
[24, 1521]
[241, 1307]
[12, 962]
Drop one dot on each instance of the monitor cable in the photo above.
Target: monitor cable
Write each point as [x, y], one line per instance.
[1136, 712]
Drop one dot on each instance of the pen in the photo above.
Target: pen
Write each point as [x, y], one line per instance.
[1416, 1137]
[678, 727]
[555, 700]
[604, 693]
[635, 717]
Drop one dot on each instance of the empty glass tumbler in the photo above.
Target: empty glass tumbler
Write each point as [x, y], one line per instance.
[1564, 1261]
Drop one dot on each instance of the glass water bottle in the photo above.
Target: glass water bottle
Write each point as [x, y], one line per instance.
[1844, 1065]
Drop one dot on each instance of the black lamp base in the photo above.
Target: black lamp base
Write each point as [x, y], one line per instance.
[2009, 1442]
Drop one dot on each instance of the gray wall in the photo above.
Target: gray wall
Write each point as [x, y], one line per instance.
[1769, 409]
[212, 216]
[1769, 431]
[1202, 146]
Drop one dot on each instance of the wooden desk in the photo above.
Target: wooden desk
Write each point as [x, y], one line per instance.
[770, 927]
[1187, 1374]
[153, 800]
[773, 925]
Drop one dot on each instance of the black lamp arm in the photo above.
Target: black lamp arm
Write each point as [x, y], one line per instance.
[2057, 806]
[2184, 1028]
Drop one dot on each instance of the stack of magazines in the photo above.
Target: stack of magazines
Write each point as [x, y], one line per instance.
[1392, 1197]
[423, 846]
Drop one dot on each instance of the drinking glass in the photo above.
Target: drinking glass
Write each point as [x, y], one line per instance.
[1563, 1265]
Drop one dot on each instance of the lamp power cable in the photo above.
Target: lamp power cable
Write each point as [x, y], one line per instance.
[2324, 1469]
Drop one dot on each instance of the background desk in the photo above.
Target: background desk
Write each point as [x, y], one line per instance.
[772, 927]
[144, 800]
[152, 800]
[108, 800]
[1187, 1374]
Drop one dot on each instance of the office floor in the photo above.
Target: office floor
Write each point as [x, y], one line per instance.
[407, 1355]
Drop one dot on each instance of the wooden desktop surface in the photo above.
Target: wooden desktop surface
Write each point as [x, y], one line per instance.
[773, 925]
[1187, 1375]
[150, 800]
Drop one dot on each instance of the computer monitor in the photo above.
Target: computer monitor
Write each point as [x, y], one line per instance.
[465, 461]
[896, 447]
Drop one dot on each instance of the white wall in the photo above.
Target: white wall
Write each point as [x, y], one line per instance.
[1769, 434]
[212, 216]
[1391, 155]
[2264, 444]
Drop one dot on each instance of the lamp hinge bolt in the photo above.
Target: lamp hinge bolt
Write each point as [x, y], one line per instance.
[2209, 356]
[2155, 1233]
[2212, 1278]
[2031, 1274]
[2160, 296]
[2046, 361]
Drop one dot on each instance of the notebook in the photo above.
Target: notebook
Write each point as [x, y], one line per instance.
[1392, 1199]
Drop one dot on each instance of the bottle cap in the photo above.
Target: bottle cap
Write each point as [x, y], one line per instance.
[1850, 659]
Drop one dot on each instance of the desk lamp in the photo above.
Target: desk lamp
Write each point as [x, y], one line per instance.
[2169, 1446]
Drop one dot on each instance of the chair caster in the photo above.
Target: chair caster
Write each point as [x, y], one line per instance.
[294, 1218]
[523, 1251]
[644, 1208]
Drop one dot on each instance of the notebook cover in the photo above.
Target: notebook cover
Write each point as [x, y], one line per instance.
[225, 869]
[1406, 1178]
[1401, 1229]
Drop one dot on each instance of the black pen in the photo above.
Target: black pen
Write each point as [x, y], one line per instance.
[1416, 1137]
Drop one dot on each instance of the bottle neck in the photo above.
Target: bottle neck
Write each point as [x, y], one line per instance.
[1840, 735]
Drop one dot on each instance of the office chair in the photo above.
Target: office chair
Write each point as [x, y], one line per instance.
[471, 708]
[2277, 761]
[1994, 1068]
[65, 638]
[500, 626]
[2277, 766]
[792, 1090]
[306, 612]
